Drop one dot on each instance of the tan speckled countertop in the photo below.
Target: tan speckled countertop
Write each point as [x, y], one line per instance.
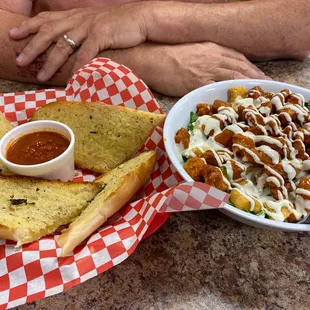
[202, 260]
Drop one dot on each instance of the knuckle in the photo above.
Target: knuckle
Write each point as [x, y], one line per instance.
[47, 29]
[62, 47]
[28, 48]
[211, 55]
[94, 30]
[241, 57]
[236, 75]
[24, 24]
[82, 56]
[242, 67]
[73, 12]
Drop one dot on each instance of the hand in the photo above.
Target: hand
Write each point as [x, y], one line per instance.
[115, 27]
[175, 70]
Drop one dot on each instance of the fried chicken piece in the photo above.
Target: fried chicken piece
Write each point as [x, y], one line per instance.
[252, 118]
[220, 103]
[237, 170]
[194, 167]
[294, 99]
[245, 141]
[256, 130]
[266, 108]
[182, 136]
[272, 146]
[210, 159]
[256, 92]
[287, 116]
[204, 109]
[304, 184]
[286, 92]
[299, 146]
[278, 168]
[214, 177]
[225, 138]
[275, 191]
[269, 95]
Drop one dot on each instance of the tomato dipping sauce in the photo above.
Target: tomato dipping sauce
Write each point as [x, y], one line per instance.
[36, 148]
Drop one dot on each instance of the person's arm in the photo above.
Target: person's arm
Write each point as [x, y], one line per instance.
[260, 29]
[10, 49]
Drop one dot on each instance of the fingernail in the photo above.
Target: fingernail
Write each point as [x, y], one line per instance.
[41, 75]
[20, 58]
[13, 31]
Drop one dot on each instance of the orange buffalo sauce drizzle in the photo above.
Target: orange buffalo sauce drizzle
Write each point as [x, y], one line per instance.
[36, 148]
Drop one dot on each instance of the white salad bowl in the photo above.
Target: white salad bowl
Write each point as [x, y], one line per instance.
[179, 117]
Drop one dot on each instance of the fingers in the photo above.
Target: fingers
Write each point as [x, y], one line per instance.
[227, 74]
[89, 50]
[43, 39]
[241, 67]
[228, 52]
[60, 54]
[33, 25]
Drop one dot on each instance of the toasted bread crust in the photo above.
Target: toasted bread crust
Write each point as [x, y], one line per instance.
[110, 134]
[125, 188]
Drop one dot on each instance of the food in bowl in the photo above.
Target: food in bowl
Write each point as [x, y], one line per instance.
[255, 146]
[36, 147]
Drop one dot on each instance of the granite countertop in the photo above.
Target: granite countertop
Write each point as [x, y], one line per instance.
[202, 260]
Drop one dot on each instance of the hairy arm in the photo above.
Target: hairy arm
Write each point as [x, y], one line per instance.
[260, 29]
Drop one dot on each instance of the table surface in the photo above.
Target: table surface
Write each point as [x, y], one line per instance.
[202, 260]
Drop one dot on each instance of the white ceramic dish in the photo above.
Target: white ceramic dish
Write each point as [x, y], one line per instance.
[179, 117]
[59, 168]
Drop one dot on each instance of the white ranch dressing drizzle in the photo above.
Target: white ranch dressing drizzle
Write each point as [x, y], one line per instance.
[253, 114]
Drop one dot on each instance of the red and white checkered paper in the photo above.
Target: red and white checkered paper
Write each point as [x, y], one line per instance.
[36, 270]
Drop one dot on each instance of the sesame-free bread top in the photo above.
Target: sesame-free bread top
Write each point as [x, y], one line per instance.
[119, 185]
[106, 135]
[33, 208]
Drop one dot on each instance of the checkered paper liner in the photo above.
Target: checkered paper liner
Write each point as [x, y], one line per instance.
[37, 270]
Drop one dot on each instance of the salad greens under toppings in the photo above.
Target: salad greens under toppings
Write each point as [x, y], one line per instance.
[225, 173]
[185, 158]
[193, 118]
[307, 104]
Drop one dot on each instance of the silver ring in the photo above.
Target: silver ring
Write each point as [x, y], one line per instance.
[72, 44]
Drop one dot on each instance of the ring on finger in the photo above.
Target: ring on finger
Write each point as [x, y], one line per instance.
[71, 42]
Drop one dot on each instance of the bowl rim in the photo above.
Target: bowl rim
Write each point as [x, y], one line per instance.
[30, 127]
[231, 209]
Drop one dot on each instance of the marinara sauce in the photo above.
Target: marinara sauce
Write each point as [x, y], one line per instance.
[37, 148]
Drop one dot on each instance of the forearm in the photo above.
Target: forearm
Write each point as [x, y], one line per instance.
[141, 59]
[9, 49]
[259, 29]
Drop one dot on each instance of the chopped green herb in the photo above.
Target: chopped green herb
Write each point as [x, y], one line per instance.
[192, 119]
[185, 158]
[230, 203]
[225, 173]
[307, 104]
[190, 127]
[16, 202]
[262, 213]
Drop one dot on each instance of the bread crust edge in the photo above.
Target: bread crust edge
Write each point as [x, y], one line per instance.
[128, 186]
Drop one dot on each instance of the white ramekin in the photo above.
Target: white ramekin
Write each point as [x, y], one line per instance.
[59, 168]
